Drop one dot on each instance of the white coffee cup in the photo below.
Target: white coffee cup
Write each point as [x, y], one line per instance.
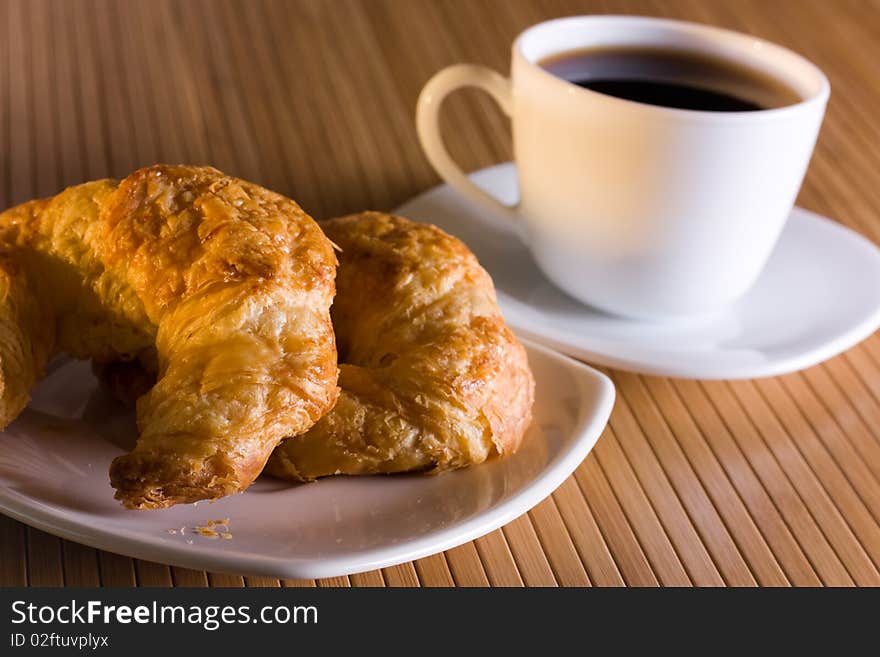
[640, 210]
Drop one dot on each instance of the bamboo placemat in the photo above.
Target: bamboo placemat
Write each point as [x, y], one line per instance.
[771, 482]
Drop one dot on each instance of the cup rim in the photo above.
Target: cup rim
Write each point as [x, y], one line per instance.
[819, 97]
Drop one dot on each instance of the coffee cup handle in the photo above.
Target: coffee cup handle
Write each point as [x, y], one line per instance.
[427, 126]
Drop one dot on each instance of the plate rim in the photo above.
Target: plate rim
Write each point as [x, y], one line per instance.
[559, 340]
[588, 427]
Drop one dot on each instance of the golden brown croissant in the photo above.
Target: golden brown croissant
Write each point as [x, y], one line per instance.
[225, 284]
[431, 376]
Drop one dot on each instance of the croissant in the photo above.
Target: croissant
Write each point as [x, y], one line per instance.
[225, 287]
[431, 376]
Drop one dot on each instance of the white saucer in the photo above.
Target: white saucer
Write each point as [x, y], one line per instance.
[818, 295]
[53, 475]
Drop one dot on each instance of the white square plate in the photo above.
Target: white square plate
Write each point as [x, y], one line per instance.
[55, 457]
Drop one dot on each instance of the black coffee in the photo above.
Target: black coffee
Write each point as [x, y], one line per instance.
[671, 78]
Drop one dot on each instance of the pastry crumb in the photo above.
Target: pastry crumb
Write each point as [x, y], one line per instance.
[218, 528]
[213, 529]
